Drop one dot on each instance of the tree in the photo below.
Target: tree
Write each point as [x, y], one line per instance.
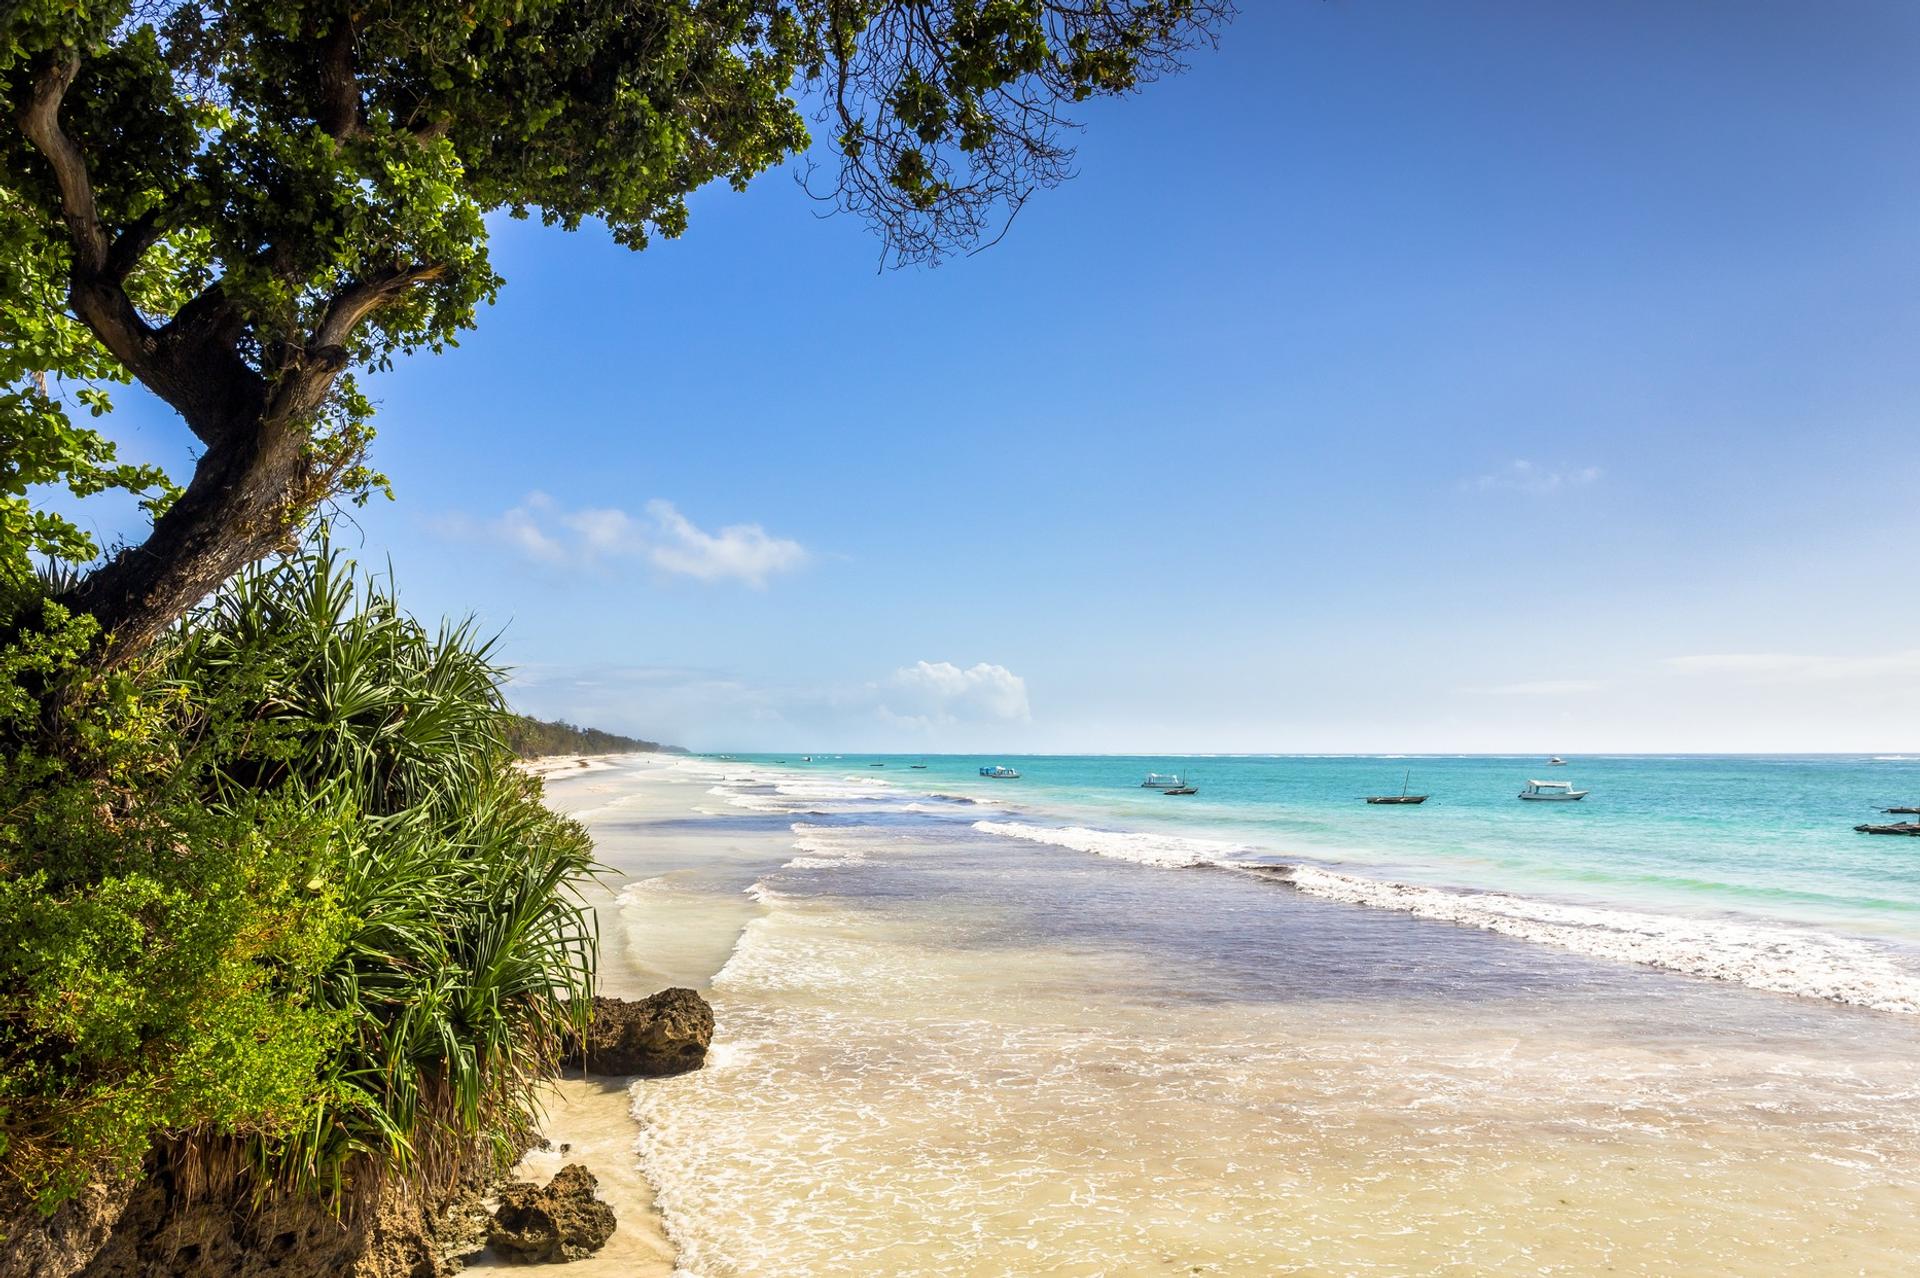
[247, 202]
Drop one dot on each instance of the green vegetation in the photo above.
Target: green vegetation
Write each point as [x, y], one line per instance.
[246, 204]
[268, 877]
[278, 882]
[535, 738]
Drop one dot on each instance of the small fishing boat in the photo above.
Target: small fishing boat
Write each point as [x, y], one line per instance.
[876, 765]
[1899, 827]
[1181, 789]
[1162, 781]
[918, 767]
[1000, 772]
[1401, 798]
[1553, 791]
[1556, 762]
[1901, 811]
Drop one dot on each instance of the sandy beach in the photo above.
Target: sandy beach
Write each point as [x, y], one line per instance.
[649, 827]
[945, 1050]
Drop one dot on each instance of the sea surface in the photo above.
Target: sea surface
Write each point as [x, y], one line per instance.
[1065, 1025]
[1741, 867]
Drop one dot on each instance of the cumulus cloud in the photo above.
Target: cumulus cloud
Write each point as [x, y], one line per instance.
[540, 529]
[938, 692]
[1521, 476]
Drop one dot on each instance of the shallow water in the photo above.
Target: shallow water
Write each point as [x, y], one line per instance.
[952, 1045]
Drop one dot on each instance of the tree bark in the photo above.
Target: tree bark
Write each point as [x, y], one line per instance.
[243, 504]
[257, 480]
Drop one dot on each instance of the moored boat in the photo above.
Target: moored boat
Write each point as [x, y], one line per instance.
[1402, 798]
[1898, 827]
[1553, 791]
[1162, 781]
[1000, 772]
[1181, 789]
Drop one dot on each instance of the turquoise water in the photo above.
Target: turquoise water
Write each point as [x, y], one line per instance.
[1763, 841]
[1062, 1025]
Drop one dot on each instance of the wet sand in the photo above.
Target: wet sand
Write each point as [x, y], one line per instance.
[649, 827]
[942, 1051]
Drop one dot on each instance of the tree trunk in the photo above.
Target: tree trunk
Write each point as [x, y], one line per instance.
[244, 503]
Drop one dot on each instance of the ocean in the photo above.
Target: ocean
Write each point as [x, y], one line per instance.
[1065, 1025]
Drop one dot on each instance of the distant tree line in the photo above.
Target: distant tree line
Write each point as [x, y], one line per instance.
[531, 738]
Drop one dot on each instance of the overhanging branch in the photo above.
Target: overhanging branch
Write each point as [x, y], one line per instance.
[40, 122]
[363, 297]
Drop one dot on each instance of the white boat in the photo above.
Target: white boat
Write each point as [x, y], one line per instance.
[1163, 781]
[1000, 772]
[1556, 762]
[1556, 791]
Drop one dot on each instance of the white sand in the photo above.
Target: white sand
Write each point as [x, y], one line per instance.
[670, 906]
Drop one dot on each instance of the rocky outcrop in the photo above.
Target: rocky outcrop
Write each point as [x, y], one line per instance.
[563, 1221]
[173, 1228]
[667, 1033]
[58, 1246]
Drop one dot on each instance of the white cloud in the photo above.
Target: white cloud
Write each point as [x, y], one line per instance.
[1521, 476]
[742, 551]
[520, 530]
[1788, 667]
[938, 692]
[541, 530]
[927, 704]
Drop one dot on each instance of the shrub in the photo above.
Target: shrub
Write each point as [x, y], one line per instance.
[281, 884]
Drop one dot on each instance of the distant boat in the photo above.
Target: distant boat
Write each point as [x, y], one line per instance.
[1402, 797]
[1000, 772]
[919, 767]
[1556, 762]
[1558, 791]
[1181, 789]
[876, 765]
[1902, 827]
[1163, 781]
[1901, 811]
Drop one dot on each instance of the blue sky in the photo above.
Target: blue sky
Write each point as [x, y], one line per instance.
[1468, 376]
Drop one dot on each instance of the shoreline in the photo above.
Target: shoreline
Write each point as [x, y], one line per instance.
[684, 938]
[938, 1044]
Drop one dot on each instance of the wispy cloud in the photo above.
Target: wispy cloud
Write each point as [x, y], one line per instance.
[742, 551]
[1521, 476]
[542, 530]
[1789, 667]
[930, 703]
[1540, 688]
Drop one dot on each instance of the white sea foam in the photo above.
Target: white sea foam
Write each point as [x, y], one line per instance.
[819, 849]
[1768, 957]
[877, 1102]
[1786, 960]
[1168, 850]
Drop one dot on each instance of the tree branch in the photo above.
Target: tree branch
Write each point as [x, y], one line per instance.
[339, 86]
[363, 297]
[95, 288]
[40, 122]
[132, 244]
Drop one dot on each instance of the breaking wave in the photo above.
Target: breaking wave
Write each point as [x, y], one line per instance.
[1775, 957]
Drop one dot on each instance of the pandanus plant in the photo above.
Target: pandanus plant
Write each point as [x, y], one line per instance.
[468, 952]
